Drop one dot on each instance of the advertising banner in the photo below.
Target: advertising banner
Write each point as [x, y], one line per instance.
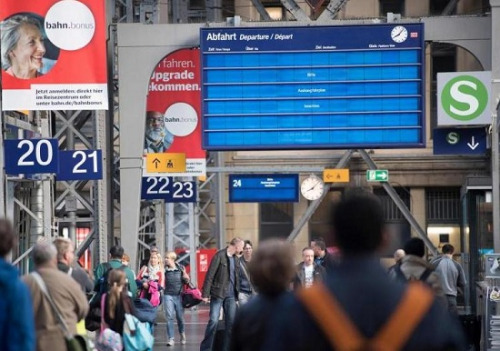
[173, 111]
[53, 55]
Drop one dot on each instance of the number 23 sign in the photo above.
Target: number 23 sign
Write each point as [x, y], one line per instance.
[35, 156]
[168, 189]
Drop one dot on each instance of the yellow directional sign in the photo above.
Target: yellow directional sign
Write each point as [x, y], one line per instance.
[336, 175]
[165, 163]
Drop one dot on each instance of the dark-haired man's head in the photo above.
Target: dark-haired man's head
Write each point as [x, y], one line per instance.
[448, 249]
[415, 246]
[358, 223]
[7, 237]
[116, 252]
[319, 247]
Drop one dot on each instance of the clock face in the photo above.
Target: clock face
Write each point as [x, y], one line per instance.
[399, 34]
[312, 188]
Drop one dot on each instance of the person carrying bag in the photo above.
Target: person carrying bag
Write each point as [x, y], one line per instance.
[73, 342]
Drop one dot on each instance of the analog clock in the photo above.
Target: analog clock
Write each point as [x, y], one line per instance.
[312, 187]
[399, 34]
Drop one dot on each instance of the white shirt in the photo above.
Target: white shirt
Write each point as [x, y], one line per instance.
[309, 278]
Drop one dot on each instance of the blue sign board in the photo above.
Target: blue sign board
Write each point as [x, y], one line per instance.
[358, 86]
[168, 189]
[460, 141]
[31, 156]
[80, 165]
[263, 187]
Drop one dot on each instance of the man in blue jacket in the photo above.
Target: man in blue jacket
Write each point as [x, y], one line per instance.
[17, 327]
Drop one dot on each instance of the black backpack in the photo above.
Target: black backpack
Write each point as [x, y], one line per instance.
[401, 277]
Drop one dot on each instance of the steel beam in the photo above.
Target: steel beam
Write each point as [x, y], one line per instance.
[332, 10]
[295, 10]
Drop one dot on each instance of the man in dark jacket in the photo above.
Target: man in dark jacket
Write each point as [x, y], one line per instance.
[17, 326]
[308, 271]
[363, 290]
[222, 285]
[321, 254]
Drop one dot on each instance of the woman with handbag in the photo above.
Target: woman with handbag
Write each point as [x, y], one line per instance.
[175, 278]
[116, 301]
[150, 279]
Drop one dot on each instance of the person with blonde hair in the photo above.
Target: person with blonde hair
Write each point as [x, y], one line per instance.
[175, 278]
[116, 301]
[152, 279]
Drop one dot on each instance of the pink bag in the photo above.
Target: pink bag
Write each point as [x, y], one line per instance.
[191, 296]
[153, 292]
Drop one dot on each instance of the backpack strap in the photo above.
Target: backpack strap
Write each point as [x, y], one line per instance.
[426, 274]
[331, 318]
[412, 308]
[343, 334]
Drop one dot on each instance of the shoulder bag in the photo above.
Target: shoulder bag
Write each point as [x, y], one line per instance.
[73, 342]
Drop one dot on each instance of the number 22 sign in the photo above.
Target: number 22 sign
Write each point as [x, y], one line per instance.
[168, 189]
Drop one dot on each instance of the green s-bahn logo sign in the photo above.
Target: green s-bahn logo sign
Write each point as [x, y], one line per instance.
[463, 98]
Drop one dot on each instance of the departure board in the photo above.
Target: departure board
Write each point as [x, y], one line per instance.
[317, 87]
[263, 187]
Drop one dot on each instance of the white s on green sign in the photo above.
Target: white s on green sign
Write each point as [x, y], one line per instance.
[463, 98]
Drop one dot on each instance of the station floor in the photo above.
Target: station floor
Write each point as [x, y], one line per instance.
[195, 323]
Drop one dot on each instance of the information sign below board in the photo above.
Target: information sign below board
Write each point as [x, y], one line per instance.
[263, 187]
[377, 175]
[330, 87]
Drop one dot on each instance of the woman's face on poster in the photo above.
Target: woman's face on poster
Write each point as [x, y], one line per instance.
[29, 50]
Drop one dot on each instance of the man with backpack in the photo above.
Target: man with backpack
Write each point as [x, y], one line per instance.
[414, 267]
[358, 307]
[115, 262]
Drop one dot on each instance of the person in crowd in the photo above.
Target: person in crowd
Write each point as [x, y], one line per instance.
[364, 292]
[126, 262]
[452, 276]
[398, 256]
[222, 285]
[175, 278]
[115, 262]
[321, 256]
[22, 47]
[308, 271]
[414, 267]
[17, 328]
[116, 301]
[158, 138]
[64, 291]
[251, 322]
[66, 263]
[151, 279]
[246, 286]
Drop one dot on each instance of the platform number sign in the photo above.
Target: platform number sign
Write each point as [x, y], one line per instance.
[80, 165]
[31, 156]
[168, 189]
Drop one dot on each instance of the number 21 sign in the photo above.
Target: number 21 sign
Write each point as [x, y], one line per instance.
[80, 165]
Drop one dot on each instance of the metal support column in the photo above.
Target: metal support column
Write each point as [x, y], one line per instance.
[401, 205]
[221, 204]
[495, 107]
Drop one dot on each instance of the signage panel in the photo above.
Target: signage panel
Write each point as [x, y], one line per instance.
[173, 111]
[464, 98]
[64, 67]
[263, 187]
[313, 87]
[336, 175]
[460, 141]
[31, 156]
[166, 163]
[377, 175]
[80, 165]
[168, 189]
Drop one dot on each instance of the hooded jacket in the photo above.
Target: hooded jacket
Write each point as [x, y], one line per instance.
[17, 327]
[413, 267]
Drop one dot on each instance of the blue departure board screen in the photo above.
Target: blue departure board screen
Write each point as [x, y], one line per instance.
[263, 187]
[318, 87]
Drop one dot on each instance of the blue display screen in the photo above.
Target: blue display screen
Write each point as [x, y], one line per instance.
[313, 87]
[263, 187]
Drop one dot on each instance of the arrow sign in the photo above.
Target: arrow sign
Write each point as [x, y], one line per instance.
[460, 141]
[377, 175]
[156, 162]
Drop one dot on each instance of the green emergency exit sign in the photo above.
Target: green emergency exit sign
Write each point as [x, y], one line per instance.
[377, 175]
